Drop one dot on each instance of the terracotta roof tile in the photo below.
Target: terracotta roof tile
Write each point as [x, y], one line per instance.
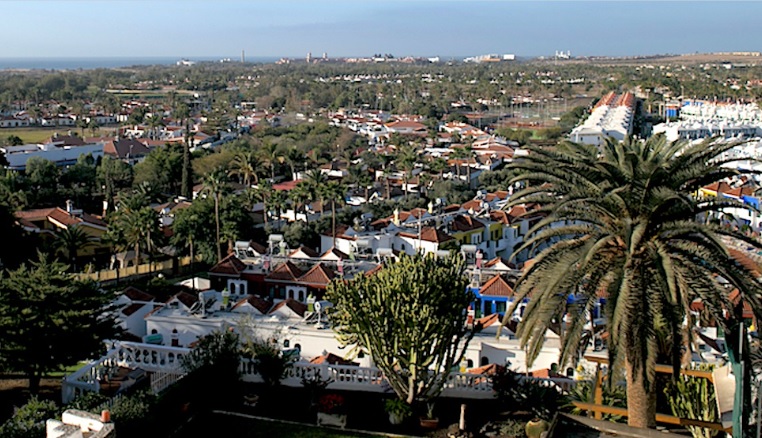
[297, 307]
[230, 265]
[332, 359]
[319, 275]
[285, 271]
[496, 287]
[135, 294]
[258, 303]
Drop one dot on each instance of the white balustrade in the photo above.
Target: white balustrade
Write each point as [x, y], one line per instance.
[165, 362]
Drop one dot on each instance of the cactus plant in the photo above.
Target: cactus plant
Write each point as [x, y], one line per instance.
[693, 398]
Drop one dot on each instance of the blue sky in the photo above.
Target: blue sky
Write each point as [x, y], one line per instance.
[188, 28]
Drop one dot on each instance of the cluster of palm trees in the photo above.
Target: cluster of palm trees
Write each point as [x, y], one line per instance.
[625, 220]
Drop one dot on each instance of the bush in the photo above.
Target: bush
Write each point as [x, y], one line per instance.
[29, 420]
[131, 410]
[530, 395]
[88, 401]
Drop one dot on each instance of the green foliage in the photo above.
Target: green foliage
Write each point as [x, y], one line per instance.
[527, 394]
[633, 230]
[88, 401]
[29, 420]
[693, 398]
[398, 407]
[42, 308]
[410, 317]
[213, 377]
[613, 395]
[129, 412]
[162, 169]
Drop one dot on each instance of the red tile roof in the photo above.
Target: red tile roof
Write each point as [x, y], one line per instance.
[135, 294]
[496, 287]
[297, 307]
[309, 252]
[429, 234]
[184, 297]
[230, 265]
[258, 303]
[332, 359]
[466, 223]
[319, 276]
[489, 369]
[285, 271]
[335, 252]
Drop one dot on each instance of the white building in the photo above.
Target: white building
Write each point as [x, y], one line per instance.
[611, 117]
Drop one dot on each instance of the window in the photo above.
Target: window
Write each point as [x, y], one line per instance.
[470, 363]
[301, 296]
[286, 343]
[483, 361]
[298, 347]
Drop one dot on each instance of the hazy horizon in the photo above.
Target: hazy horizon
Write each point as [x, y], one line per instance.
[202, 29]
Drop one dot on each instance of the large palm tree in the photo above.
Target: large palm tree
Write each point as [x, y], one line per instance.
[625, 220]
[271, 156]
[295, 158]
[71, 240]
[315, 180]
[335, 192]
[213, 185]
[244, 165]
[136, 224]
[301, 196]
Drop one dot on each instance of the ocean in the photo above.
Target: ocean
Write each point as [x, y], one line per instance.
[106, 62]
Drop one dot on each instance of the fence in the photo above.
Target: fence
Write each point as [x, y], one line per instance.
[164, 266]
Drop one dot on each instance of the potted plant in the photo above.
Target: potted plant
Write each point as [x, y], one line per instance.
[331, 411]
[398, 410]
[429, 421]
[535, 427]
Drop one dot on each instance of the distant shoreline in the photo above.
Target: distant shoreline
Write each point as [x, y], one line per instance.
[91, 63]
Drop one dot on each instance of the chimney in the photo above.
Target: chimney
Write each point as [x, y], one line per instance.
[69, 206]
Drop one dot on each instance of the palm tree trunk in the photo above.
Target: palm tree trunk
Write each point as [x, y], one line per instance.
[217, 222]
[264, 211]
[333, 221]
[388, 190]
[137, 257]
[641, 402]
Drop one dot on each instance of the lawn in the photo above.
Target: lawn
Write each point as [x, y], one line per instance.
[240, 427]
[37, 134]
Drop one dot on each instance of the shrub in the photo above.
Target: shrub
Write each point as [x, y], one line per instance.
[331, 404]
[398, 407]
[530, 395]
[29, 420]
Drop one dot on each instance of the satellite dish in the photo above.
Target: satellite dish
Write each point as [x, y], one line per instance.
[195, 307]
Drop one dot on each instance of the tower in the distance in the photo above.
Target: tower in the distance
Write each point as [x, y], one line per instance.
[309, 57]
[243, 56]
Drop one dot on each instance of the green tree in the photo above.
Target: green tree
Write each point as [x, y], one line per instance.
[112, 176]
[244, 166]
[271, 156]
[301, 196]
[162, 169]
[136, 224]
[335, 192]
[43, 178]
[626, 221]
[214, 184]
[410, 317]
[42, 309]
[71, 240]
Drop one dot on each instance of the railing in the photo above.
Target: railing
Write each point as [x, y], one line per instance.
[165, 364]
[153, 358]
[161, 381]
[148, 357]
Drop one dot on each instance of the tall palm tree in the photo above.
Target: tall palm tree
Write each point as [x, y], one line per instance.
[301, 196]
[245, 165]
[626, 221]
[359, 176]
[278, 202]
[213, 185]
[335, 192]
[406, 160]
[271, 156]
[263, 193]
[137, 224]
[71, 240]
[315, 180]
[154, 122]
[295, 158]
